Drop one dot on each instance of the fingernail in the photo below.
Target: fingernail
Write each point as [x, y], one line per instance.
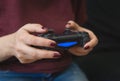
[57, 55]
[87, 47]
[43, 28]
[53, 44]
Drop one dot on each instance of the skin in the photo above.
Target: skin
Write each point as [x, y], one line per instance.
[19, 44]
[80, 51]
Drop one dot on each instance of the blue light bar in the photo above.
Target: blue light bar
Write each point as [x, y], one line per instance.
[67, 44]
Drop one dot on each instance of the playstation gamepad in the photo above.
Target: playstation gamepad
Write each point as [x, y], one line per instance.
[68, 38]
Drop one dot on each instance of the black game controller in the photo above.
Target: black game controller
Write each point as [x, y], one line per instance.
[68, 39]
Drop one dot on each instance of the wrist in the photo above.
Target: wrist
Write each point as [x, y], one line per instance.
[6, 46]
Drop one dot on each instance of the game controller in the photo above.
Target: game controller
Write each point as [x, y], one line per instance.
[68, 38]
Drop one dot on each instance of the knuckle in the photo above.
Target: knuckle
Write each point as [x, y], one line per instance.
[17, 48]
[24, 59]
[28, 39]
[34, 56]
[37, 25]
[28, 24]
[33, 40]
[32, 24]
[22, 37]
[20, 56]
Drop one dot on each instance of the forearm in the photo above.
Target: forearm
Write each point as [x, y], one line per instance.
[6, 46]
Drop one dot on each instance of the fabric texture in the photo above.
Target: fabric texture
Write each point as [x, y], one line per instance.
[49, 13]
[73, 73]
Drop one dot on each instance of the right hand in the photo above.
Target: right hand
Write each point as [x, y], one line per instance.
[23, 39]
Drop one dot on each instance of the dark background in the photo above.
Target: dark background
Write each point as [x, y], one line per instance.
[103, 63]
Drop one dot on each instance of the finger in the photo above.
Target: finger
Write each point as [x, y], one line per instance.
[74, 26]
[30, 54]
[34, 28]
[93, 42]
[38, 41]
[79, 51]
[90, 44]
[84, 52]
[42, 53]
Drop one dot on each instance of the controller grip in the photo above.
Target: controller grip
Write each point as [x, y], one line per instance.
[80, 38]
[85, 39]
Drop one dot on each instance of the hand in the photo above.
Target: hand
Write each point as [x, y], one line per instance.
[24, 39]
[77, 50]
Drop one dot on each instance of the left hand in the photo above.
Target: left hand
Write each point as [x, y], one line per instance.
[80, 51]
